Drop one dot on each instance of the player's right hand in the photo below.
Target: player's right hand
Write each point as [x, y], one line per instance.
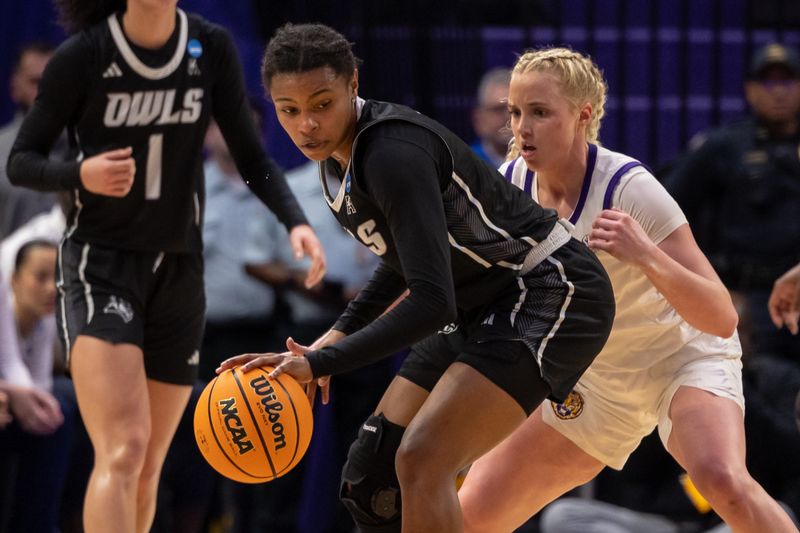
[323, 383]
[109, 173]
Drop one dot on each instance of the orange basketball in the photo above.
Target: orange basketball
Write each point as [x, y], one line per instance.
[252, 428]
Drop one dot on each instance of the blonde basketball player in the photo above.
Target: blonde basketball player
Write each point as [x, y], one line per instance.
[673, 358]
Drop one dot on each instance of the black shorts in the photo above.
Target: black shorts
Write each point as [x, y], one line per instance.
[153, 300]
[549, 326]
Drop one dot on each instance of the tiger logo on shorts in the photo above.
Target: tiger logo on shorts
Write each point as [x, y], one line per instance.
[571, 408]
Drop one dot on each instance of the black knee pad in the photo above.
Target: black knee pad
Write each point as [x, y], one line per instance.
[369, 487]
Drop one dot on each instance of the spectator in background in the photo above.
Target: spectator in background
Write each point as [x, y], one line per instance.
[37, 444]
[353, 394]
[17, 205]
[739, 186]
[237, 230]
[490, 116]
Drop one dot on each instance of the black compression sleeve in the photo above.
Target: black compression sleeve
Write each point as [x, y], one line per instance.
[383, 288]
[234, 116]
[61, 92]
[403, 179]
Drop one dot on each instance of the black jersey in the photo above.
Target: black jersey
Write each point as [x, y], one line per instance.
[112, 94]
[445, 224]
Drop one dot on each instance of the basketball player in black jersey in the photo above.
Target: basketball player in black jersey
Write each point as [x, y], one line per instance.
[136, 86]
[503, 308]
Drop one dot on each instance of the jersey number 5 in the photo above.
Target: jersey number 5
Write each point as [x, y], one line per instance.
[152, 183]
[373, 239]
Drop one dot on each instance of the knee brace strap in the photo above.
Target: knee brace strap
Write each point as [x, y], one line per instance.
[369, 487]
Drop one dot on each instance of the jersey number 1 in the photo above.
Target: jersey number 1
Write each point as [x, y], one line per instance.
[152, 183]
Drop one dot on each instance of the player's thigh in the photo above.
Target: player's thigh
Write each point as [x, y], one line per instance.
[703, 417]
[531, 467]
[401, 401]
[111, 388]
[421, 370]
[705, 428]
[465, 415]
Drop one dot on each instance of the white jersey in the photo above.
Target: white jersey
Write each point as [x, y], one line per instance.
[647, 329]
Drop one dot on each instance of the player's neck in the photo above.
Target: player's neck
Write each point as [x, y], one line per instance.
[564, 181]
[148, 28]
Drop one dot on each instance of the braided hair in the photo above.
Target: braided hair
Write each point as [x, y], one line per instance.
[579, 78]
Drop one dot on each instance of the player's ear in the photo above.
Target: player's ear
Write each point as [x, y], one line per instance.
[354, 83]
[585, 113]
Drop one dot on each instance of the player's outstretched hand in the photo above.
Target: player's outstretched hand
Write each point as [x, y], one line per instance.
[283, 363]
[323, 383]
[109, 173]
[304, 242]
[784, 301]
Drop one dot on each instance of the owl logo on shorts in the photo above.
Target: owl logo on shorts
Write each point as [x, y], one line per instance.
[571, 408]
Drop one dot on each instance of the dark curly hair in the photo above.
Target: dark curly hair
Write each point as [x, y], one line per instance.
[303, 47]
[77, 15]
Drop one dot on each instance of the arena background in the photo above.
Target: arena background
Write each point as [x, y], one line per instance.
[674, 67]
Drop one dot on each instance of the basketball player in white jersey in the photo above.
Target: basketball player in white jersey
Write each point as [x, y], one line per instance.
[673, 358]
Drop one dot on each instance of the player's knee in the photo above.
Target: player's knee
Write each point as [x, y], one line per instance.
[369, 488]
[411, 458]
[417, 462]
[721, 483]
[127, 457]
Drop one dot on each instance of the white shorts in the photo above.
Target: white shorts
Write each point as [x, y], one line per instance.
[609, 412]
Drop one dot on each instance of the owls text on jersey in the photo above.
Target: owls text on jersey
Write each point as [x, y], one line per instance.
[112, 94]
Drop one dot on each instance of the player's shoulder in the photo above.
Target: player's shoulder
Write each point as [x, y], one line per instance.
[200, 27]
[79, 49]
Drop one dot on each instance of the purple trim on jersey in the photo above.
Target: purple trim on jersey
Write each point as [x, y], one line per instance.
[587, 180]
[614, 181]
[528, 182]
[510, 170]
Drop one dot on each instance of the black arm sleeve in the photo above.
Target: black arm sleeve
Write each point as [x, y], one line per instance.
[235, 119]
[405, 185]
[383, 288]
[61, 92]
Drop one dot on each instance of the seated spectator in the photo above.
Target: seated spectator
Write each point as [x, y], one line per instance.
[36, 444]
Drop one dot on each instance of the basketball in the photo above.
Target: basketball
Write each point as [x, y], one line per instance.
[252, 428]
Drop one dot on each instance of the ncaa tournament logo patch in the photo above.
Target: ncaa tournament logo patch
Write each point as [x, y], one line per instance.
[571, 408]
[194, 48]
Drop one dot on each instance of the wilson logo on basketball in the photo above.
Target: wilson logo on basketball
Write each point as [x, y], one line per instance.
[272, 408]
[233, 424]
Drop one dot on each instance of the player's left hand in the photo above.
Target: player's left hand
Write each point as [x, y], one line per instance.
[283, 363]
[304, 242]
[617, 233]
